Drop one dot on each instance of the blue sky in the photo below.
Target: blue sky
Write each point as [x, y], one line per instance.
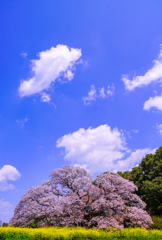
[80, 84]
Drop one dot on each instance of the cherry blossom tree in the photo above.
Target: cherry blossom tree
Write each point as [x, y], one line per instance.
[34, 206]
[117, 205]
[70, 198]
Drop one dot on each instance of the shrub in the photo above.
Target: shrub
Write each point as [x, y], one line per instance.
[157, 223]
[5, 224]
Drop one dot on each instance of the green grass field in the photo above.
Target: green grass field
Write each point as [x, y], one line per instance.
[12, 233]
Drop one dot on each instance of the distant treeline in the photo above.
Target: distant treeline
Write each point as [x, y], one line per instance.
[148, 178]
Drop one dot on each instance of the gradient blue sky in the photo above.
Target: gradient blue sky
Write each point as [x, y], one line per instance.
[80, 83]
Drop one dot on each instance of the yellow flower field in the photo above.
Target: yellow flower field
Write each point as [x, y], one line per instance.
[11, 233]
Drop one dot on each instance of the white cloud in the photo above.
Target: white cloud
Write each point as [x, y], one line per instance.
[102, 93]
[69, 75]
[135, 130]
[82, 166]
[153, 102]
[24, 54]
[6, 210]
[45, 97]
[52, 64]
[110, 90]
[92, 95]
[22, 121]
[100, 149]
[8, 173]
[152, 75]
[159, 127]
[133, 160]
[155, 92]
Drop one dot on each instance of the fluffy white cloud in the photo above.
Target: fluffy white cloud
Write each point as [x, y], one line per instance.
[6, 210]
[153, 102]
[159, 127]
[100, 149]
[102, 93]
[8, 173]
[152, 75]
[52, 64]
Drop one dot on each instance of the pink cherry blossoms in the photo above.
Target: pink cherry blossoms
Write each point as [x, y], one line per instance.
[70, 198]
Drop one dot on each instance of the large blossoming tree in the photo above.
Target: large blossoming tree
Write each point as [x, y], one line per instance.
[70, 198]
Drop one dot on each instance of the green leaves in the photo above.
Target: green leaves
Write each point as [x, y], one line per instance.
[148, 178]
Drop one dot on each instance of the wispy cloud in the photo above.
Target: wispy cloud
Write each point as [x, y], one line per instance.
[45, 97]
[135, 130]
[93, 94]
[21, 122]
[24, 54]
[100, 149]
[8, 173]
[152, 75]
[102, 93]
[52, 64]
[110, 90]
[155, 102]
[159, 127]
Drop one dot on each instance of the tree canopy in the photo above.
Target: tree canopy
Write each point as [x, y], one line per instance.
[70, 199]
[148, 178]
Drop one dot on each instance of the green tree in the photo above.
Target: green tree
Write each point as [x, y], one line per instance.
[148, 178]
[5, 224]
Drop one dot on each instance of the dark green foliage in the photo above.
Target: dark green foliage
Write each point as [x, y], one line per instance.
[148, 178]
[48, 223]
[157, 223]
[36, 222]
[5, 225]
[125, 175]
